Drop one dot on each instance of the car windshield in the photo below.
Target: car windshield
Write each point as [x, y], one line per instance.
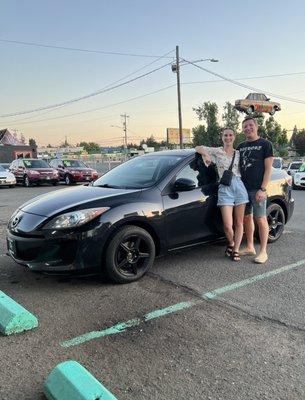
[139, 172]
[35, 164]
[1, 168]
[295, 165]
[302, 168]
[74, 163]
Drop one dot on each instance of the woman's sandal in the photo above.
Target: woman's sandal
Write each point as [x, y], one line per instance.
[228, 251]
[235, 256]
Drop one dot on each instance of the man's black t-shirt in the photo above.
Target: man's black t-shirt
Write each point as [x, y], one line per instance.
[252, 161]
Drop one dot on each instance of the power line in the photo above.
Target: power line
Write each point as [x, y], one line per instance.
[234, 82]
[95, 109]
[116, 53]
[104, 90]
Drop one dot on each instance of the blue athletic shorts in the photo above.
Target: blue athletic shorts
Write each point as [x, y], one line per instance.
[258, 209]
[232, 195]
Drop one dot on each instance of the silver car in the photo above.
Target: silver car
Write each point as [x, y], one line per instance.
[7, 178]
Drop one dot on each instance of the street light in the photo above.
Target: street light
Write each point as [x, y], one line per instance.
[176, 69]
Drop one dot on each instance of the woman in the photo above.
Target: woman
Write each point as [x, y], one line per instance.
[232, 199]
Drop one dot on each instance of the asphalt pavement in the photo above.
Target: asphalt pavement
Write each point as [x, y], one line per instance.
[176, 340]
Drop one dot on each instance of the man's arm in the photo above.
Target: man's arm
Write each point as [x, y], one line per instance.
[261, 194]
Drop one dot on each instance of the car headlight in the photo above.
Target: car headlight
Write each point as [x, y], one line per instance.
[75, 219]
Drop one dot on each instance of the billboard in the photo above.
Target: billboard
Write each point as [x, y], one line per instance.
[173, 136]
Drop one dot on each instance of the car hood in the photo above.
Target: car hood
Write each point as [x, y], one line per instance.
[53, 203]
[49, 170]
[6, 174]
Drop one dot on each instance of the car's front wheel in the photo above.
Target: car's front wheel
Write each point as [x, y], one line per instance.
[68, 180]
[26, 181]
[272, 112]
[276, 222]
[130, 254]
[250, 110]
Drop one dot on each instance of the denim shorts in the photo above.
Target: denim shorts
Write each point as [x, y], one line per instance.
[233, 195]
[258, 209]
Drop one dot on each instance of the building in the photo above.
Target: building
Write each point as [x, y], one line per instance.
[11, 147]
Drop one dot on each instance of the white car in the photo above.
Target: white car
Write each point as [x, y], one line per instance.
[7, 178]
[299, 178]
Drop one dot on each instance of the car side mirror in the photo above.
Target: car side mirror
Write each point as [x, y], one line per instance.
[184, 185]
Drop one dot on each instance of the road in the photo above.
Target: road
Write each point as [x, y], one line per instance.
[245, 342]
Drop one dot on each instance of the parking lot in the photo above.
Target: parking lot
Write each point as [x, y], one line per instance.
[196, 326]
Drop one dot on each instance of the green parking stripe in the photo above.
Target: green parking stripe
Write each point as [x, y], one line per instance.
[123, 326]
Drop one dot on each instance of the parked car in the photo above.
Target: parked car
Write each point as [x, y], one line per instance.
[145, 207]
[7, 178]
[257, 103]
[73, 171]
[293, 167]
[6, 166]
[299, 177]
[31, 170]
[277, 162]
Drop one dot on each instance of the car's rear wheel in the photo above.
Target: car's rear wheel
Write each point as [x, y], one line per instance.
[276, 222]
[250, 110]
[130, 254]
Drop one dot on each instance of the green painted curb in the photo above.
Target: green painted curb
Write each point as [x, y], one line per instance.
[69, 380]
[13, 317]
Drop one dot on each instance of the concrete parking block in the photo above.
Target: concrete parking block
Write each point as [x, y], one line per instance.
[70, 380]
[13, 317]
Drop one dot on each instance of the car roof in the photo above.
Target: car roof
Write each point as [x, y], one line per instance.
[176, 152]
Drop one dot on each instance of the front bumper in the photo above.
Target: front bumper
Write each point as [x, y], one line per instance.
[7, 182]
[66, 252]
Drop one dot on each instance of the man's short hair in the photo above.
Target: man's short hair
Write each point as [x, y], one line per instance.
[248, 118]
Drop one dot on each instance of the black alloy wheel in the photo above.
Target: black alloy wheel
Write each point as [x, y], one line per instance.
[130, 254]
[276, 222]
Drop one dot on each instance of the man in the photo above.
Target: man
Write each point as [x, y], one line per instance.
[256, 157]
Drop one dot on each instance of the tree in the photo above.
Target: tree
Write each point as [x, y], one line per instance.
[90, 147]
[211, 134]
[230, 117]
[299, 142]
[32, 142]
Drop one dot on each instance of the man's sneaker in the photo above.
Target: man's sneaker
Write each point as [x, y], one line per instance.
[261, 258]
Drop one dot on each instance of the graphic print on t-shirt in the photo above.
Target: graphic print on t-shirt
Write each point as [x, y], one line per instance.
[247, 159]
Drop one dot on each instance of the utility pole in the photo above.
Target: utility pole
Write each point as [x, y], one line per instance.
[176, 68]
[125, 116]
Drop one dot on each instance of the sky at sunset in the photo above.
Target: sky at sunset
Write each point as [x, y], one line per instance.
[252, 41]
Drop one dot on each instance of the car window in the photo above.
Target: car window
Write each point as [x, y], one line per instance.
[35, 164]
[198, 172]
[250, 96]
[302, 168]
[295, 165]
[189, 173]
[139, 172]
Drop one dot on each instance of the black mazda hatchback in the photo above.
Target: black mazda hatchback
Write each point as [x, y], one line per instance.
[144, 208]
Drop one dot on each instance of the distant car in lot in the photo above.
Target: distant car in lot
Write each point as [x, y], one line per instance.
[277, 162]
[7, 178]
[293, 167]
[6, 166]
[257, 103]
[73, 171]
[145, 207]
[299, 177]
[31, 170]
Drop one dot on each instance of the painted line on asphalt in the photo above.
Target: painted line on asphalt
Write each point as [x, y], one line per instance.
[123, 326]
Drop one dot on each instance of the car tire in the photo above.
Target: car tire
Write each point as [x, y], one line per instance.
[276, 221]
[129, 254]
[272, 112]
[250, 110]
[26, 181]
[68, 180]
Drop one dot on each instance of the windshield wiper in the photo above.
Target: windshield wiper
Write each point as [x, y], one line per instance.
[106, 185]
